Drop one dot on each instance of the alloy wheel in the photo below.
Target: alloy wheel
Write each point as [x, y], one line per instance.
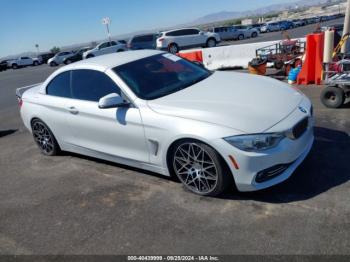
[43, 138]
[195, 168]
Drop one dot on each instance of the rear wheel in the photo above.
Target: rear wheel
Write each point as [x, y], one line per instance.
[254, 34]
[68, 61]
[200, 168]
[211, 42]
[44, 138]
[35, 63]
[90, 56]
[173, 48]
[240, 37]
[14, 66]
[333, 97]
[53, 63]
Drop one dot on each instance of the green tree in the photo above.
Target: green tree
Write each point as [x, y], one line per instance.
[55, 50]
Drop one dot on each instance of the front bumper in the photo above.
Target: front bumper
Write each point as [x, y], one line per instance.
[284, 158]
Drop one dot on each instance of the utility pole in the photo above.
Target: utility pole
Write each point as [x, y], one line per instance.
[346, 27]
[107, 21]
[37, 48]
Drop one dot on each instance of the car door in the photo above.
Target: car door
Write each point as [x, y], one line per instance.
[54, 106]
[104, 48]
[116, 131]
[196, 37]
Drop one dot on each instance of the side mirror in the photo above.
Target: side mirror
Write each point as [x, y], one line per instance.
[112, 101]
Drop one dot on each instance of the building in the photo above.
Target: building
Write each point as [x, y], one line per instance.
[249, 21]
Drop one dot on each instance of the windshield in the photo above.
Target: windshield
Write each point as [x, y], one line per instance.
[160, 75]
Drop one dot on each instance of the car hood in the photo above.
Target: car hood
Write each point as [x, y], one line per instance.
[248, 103]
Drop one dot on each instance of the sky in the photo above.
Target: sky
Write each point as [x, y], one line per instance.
[48, 23]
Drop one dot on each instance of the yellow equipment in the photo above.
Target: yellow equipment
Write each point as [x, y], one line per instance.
[340, 45]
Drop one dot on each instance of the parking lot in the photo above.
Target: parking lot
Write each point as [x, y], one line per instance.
[72, 204]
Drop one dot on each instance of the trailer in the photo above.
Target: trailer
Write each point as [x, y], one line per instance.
[286, 54]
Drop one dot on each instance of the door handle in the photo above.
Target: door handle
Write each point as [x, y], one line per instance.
[73, 110]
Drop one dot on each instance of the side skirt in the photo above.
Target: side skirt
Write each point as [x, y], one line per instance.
[115, 159]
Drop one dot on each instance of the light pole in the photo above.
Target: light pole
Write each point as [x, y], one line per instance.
[346, 30]
[107, 21]
[37, 48]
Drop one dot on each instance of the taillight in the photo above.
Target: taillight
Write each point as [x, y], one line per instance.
[20, 102]
[128, 45]
[161, 39]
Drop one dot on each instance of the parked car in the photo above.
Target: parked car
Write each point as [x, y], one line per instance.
[3, 65]
[299, 22]
[146, 41]
[256, 26]
[174, 40]
[59, 57]
[270, 27]
[238, 32]
[77, 56]
[43, 58]
[286, 25]
[156, 111]
[245, 31]
[105, 48]
[226, 32]
[20, 62]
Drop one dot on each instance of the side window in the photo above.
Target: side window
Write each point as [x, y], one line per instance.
[193, 31]
[104, 45]
[113, 43]
[60, 86]
[91, 85]
[175, 33]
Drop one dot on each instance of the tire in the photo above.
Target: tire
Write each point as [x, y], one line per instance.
[14, 66]
[173, 48]
[278, 65]
[52, 64]
[89, 56]
[35, 63]
[211, 42]
[189, 158]
[255, 34]
[241, 37]
[44, 138]
[67, 62]
[333, 97]
[120, 50]
[268, 31]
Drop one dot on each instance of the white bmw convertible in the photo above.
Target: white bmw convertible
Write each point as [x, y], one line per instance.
[158, 112]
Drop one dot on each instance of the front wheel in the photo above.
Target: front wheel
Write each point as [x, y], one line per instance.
[52, 64]
[35, 63]
[240, 37]
[333, 97]
[89, 56]
[211, 42]
[200, 168]
[14, 66]
[255, 34]
[68, 61]
[44, 138]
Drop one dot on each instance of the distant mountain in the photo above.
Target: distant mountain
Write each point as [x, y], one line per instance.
[226, 15]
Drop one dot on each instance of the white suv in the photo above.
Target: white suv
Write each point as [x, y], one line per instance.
[175, 40]
[105, 48]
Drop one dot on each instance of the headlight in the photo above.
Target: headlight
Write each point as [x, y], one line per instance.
[256, 142]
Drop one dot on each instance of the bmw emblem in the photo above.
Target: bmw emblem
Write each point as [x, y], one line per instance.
[302, 109]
